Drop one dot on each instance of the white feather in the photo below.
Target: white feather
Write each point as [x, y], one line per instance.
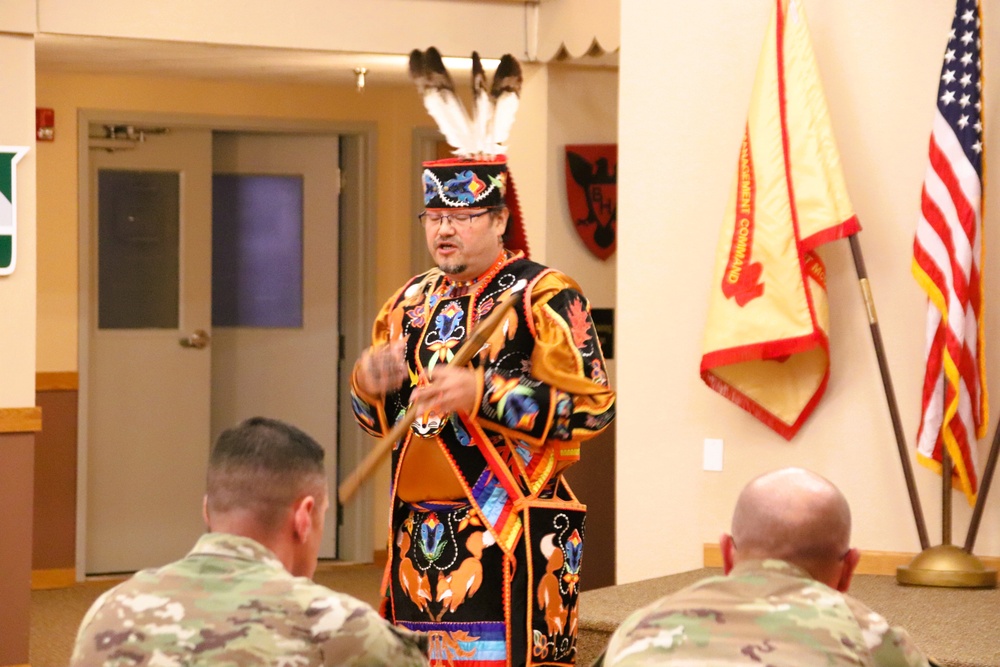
[450, 115]
[486, 131]
[503, 117]
[483, 106]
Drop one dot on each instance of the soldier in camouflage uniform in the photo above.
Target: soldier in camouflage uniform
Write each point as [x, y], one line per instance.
[782, 602]
[242, 596]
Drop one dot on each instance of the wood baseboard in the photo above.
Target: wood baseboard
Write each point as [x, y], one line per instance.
[43, 580]
[872, 562]
[20, 420]
[57, 381]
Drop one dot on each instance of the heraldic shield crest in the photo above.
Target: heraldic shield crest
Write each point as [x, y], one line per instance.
[592, 193]
[9, 157]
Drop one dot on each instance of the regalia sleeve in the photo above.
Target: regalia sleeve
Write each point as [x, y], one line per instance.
[563, 392]
[369, 411]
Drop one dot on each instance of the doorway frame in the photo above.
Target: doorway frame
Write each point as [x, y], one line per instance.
[356, 293]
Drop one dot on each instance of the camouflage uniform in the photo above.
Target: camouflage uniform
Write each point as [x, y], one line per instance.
[765, 612]
[232, 602]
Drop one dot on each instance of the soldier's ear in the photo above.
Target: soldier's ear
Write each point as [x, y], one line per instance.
[302, 518]
[204, 512]
[728, 547]
[847, 566]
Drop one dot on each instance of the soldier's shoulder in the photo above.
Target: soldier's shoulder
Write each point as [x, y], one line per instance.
[867, 618]
[326, 609]
[353, 632]
[888, 644]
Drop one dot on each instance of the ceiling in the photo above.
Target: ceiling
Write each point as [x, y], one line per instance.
[68, 53]
[212, 61]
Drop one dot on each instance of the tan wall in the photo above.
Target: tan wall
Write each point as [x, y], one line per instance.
[394, 111]
[583, 109]
[17, 290]
[684, 95]
[527, 152]
[19, 16]
[576, 26]
[19, 417]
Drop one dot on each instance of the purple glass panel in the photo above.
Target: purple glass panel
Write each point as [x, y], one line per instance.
[256, 251]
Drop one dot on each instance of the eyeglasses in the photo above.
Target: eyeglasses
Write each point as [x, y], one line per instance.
[457, 220]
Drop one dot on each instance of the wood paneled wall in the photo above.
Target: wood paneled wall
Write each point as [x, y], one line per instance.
[53, 556]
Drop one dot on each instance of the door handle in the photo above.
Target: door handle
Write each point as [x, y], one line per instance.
[198, 340]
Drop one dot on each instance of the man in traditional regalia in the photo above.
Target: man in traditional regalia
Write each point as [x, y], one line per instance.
[486, 538]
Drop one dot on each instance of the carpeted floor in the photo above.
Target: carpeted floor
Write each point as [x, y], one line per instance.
[959, 628]
[956, 627]
[56, 614]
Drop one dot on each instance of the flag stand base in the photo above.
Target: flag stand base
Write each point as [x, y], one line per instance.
[947, 566]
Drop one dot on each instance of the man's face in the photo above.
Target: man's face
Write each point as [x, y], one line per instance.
[464, 242]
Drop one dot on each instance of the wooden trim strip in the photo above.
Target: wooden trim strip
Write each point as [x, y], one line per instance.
[872, 562]
[711, 555]
[43, 580]
[57, 381]
[20, 420]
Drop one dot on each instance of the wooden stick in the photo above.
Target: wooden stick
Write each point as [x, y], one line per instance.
[465, 353]
[984, 489]
[890, 394]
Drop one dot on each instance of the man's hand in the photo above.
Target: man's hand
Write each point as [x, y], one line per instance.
[450, 390]
[382, 369]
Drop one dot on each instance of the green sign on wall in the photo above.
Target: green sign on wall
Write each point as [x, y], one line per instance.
[9, 157]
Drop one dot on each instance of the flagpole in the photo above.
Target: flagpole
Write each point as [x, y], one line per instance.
[947, 565]
[946, 472]
[890, 394]
[944, 565]
[984, 489]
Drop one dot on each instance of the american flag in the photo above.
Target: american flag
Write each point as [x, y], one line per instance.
[947, 260]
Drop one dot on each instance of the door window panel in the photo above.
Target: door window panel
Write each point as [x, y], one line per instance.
[139, 251]
[256, 251]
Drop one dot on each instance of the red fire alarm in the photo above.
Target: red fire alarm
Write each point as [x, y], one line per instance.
[45, 124]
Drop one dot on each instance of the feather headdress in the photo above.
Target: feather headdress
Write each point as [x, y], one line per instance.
[477, 176]
[483, 133]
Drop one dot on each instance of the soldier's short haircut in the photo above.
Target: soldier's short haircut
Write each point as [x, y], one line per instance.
[262, 466]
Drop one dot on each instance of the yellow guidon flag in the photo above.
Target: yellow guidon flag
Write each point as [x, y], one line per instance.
[766, 345]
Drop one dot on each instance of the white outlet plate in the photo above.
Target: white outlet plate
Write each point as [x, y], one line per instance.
[713, 455]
